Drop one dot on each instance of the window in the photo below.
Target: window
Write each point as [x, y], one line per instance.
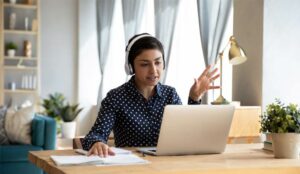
[186, 62]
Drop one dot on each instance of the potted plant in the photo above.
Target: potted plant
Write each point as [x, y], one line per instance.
[11, 49]
[53, 106]
[64, 114]
[283, 123]
[68, 114]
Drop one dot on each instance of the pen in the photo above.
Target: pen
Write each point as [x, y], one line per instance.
[81, 151]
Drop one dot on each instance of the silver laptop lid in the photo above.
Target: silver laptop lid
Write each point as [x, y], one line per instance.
[194, 129]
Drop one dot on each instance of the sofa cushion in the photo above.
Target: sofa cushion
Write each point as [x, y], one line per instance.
[38, 131]
[3, 136]
[18, 125]
[14, 153]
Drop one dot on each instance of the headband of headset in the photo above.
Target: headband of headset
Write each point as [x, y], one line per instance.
[128, 67]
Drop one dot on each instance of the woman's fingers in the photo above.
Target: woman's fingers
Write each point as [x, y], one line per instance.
[105, 150]
[100, 149]
[110, 152]
[210, 74]
[214, 87]
[205, 72]
[214, 77]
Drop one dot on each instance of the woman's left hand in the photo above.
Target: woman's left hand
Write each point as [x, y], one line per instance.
[202, 84]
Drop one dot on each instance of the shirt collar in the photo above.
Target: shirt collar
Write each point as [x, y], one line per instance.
[158, 87]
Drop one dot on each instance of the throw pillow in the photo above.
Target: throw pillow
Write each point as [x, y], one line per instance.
[3, 136]
[18, 125]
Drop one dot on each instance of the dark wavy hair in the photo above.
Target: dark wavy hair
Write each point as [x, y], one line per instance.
[142, 44]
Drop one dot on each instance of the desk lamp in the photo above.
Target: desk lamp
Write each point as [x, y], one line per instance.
[236, 56]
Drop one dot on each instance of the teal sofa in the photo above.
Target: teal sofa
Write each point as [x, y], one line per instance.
[14, 157]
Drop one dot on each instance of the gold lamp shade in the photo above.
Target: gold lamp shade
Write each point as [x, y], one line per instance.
[236, 53]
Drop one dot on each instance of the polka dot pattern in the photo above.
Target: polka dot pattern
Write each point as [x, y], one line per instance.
[134, 120]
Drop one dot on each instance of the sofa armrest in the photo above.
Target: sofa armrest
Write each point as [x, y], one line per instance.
[46, 136]
[38, 131]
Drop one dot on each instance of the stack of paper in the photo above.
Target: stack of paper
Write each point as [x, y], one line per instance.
[122, 157]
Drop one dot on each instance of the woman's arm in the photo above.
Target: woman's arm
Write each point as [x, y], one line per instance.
[103, 124]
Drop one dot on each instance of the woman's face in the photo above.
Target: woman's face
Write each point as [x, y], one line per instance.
[148, 67]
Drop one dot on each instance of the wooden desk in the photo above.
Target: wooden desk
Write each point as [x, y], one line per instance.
[237, 159]
[245, 123]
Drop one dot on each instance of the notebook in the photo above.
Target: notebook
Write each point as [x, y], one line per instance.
[121, 157]
[193, 129]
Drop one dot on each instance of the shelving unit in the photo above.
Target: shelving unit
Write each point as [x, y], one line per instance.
[20, 74]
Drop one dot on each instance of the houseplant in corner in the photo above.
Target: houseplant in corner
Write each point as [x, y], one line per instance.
[283, 122]
[68, 114]
[55, 106]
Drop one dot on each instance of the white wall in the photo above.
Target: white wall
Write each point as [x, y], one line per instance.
[269, 32]
[59, 47]
[281, 51]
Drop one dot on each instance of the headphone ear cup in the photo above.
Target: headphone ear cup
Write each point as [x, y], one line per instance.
[130, 69]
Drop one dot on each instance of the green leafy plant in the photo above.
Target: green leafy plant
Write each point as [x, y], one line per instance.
[280, 118]
[11, 46]
[53, 105]
[70, 112]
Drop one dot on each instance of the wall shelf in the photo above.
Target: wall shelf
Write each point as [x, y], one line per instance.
[19, 68]
[19, 58]
[25, 32]
[20, 6]
[20, 91]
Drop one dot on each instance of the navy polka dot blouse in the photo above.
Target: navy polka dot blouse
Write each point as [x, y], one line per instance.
[134, 120]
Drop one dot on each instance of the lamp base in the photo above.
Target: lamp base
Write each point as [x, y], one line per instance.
[220, 101]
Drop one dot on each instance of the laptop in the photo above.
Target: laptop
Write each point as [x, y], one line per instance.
[193, 129]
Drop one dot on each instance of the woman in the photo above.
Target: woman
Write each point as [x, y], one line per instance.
[134, 110]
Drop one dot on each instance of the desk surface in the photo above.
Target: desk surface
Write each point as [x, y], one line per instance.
[238, 158]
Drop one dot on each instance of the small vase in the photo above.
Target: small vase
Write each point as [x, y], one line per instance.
[12, 21]
[68, 129]
[11, 53]
[12, 1]
[286, 145]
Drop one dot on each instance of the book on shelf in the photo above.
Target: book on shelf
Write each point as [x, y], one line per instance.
[121, 157]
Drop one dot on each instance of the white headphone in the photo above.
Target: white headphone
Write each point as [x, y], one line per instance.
[128, 67]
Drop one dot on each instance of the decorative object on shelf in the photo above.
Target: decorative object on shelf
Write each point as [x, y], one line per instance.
[283, 122]
[19, 65]
[12, 21]
[11, 49]
[34, 25]
[29, 2]
[27, 48]
[57, 108]
[26, 22]
[13, 1]
[12, 86]
[28, 82]
[236, 56]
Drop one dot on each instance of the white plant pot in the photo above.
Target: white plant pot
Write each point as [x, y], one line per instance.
[12, 1]
[286, 145]
[11, 53]
[68, 129]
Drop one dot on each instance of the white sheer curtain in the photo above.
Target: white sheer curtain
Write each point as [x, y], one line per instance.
[213, 18]
[133, 11]
[165, 19]
[105, 11]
